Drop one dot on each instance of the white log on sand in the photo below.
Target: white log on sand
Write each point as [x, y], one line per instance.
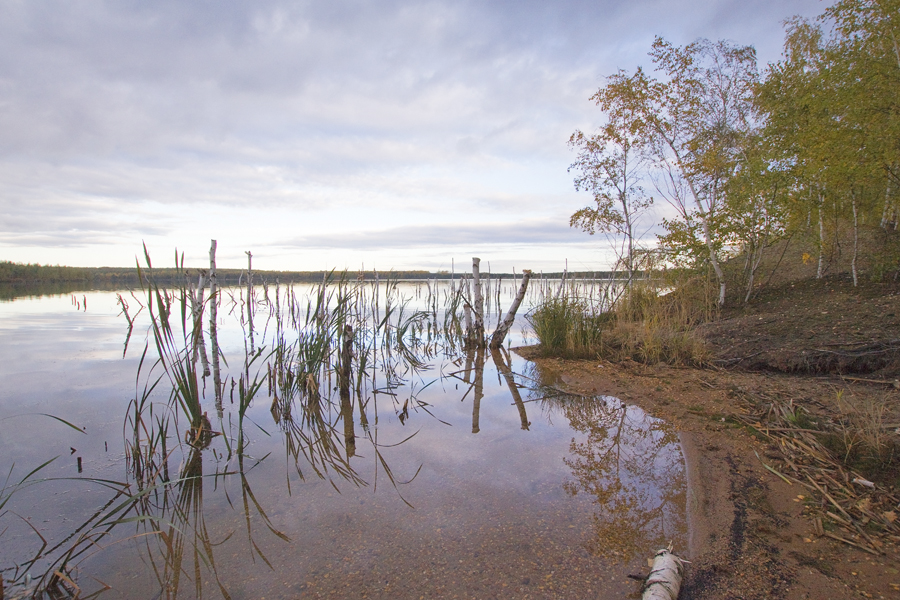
[503, 329]
[664, 581]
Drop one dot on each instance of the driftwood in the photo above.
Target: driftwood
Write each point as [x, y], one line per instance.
[664, 580]
[854, 510]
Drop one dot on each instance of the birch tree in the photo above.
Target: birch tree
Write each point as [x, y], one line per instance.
[699, 118]
[831, 107]
[755, 208]
[610, 166]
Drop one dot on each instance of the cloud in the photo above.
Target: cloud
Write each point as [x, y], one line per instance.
[438, 235]
[121, 120]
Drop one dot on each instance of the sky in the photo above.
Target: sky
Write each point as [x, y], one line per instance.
[321, 134]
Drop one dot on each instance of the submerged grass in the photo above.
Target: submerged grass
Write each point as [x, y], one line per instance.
[293, 368]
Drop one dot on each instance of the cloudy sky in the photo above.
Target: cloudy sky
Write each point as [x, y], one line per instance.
[320, 134]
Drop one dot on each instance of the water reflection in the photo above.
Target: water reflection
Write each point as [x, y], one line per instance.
[502, 361]
[631, 465]
[328, 391]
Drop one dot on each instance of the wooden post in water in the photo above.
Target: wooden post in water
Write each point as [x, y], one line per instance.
[197, 311]
[478, 330]
[499, 310]
[503, 329]
[250, 297]
[467, 307]
[213, 325]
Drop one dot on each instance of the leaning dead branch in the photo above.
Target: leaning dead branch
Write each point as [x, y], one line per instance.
[503, 329]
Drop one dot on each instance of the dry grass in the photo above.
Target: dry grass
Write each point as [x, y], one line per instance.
[864, 438]
[645, 323]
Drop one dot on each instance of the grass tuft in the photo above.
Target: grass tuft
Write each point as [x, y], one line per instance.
[643, 323]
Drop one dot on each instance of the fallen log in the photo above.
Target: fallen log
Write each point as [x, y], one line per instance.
[664, 580]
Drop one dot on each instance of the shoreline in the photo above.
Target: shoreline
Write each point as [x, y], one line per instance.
[749, 535]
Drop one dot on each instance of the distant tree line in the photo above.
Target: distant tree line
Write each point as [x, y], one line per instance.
[747, 160]
[79, 278]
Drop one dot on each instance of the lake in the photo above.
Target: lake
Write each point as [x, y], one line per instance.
[414, 468]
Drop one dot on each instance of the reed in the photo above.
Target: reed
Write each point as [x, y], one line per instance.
[174, 351]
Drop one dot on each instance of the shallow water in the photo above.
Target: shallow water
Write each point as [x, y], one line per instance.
[503, 490]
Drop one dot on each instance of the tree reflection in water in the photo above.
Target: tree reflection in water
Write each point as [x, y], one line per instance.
[631, 463]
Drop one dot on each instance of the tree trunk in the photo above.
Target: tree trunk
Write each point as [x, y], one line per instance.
[887, 214]
[199, 340]
[855, 237]
[820, 270]
[344, 383]
[720, 277]
[562, 283]
[466, 292]
[503, 328]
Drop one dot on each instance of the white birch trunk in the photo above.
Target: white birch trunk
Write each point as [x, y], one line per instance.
[664, 581]
[855, 237]
[562, 284]
[479, 303]
[503, 328]
[714, 260]
[197, 310]
[820, 270]
[888, 211]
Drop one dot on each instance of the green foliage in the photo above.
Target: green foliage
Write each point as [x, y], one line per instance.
[686, 132]
[814, 146]
[610, 164]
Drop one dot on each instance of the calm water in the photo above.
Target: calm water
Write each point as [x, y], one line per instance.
[468, 479]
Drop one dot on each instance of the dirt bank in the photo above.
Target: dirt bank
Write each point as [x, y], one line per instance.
[753, 534]
[813, 327]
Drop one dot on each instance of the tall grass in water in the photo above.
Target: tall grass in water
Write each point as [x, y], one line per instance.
[642, 322]
[175, 351]
[568, 327]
